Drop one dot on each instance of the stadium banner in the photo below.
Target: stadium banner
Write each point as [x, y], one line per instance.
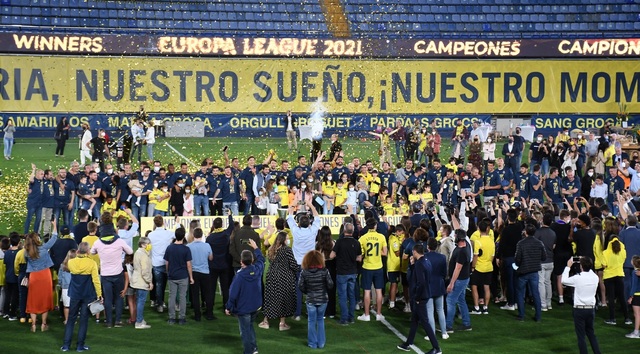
[224, 125]
[271, 125]
[206, 222]
[149, 44]
[258, 86]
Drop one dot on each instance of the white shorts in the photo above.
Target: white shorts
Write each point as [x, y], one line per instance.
[66, 300]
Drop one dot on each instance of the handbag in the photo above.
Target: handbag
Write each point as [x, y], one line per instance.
[24, 282]
[57, 135]
[96, 307]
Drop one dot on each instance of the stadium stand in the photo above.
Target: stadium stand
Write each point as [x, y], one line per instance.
[366, 18]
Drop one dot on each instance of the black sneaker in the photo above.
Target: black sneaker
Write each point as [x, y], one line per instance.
[404, 347]
[464, 328]
[449, 330]
[171, 321]
[182, 321]
[435, 351]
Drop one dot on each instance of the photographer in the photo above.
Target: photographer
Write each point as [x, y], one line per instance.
[585, 283]
[240, 241]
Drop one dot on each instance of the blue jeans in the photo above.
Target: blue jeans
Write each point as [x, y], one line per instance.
[346, 285]
[456, 299]
[67, 215]
[544, 167]
[112, 286]
[315, 325]
[400, 147]
[150, 151]
[201, 202]
[233, 206]
[8, 147]
[161, 213]
[248, 205]
[160, 276]
[529, 280]
[76, 306]
[138, 211]
[439, 307]
[96, 208]
[510, 280]
[31, 212]
[248, 332]
[141, 298]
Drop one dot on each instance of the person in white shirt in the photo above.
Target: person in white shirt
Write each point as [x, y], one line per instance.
[160, 239]
[585, 283]
[137, 133]
[85, 152]
[599, 189]
[150, 139]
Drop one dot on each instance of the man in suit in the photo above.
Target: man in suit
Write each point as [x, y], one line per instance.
[290, 129]
[619, 155]
[511, 151]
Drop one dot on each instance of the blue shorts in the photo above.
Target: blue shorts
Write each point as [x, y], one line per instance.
[394, 277]
[372, 276]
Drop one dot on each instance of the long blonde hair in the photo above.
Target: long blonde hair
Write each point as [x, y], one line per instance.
[65, 264]
[281, 240]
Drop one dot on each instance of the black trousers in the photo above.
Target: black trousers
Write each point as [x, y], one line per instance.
[60, 147]
[419, 316]
[10, 306]
[583, 323]
[615, 291]
[201, 289]
[225, 280]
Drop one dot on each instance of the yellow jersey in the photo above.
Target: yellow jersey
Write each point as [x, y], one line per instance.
[374, 185]
[372, 244]
[453, 167]
[486, 246]
[283, 192]
[403, 209]
[393, 260]
[341, 196]
[91, 240]
[426, 197]
[329, 188]
[389, 209]
[414, 198]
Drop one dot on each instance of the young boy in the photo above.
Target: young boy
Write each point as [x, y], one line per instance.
[178, 263]
[401, 176]
[387, 205]
[88, 202]
[393, 264]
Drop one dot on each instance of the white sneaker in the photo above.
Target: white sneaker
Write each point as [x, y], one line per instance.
[634, 335]
[508, 307]
[365, 318]
[407, 308]
[379, 317]
[445, 335]
[142, 325]
[392, 304]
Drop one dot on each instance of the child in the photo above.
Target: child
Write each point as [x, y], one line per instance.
[340, 198]
[388, 206]
[274, 197]
[401, 176]
[329, 194]
[393, 264]
[414, 196]
[128, 291]
[262, 201]
[91, 238]
[452, 165]
[634, 299]
[426, 195]
[283, 192]
[136, 188]
[64, 279]
[352, 200]
[109, 205]
[187, 202]
[88, 201]
[403, 207]
[161, 197]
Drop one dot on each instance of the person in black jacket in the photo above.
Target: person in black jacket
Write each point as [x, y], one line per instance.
[420, 293]
[530, 254]
[62, 135]
[315, 281]
[219, 267]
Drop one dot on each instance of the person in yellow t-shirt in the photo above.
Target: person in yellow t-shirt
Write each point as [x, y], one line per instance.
[414, 196]
[109, 205]
[328, 194]
[279, 227]
[393, 265]
[484, 250]
[452, 165]
[388, 207]
[283, 192]
[91, 238]
[161, 197]
[374, 247]
[403, 207]
[374, 187]
[563, 136]
[426, 195]
[341, 196]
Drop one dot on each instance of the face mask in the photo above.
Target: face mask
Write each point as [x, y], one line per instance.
[180, 185]
[539, 139]
[155, 185]
[590, 174]
[579, 136]
[303, 186]
[310, 180]
[288, 242]
[156, 169]
[97, 169]
[148, 248]
[329, 178]
[282, 183]
[351, 189]
[489, 140]
[424, 130]
[165, 189]
[187, 191]
[433, 133]
[566, 133]
[110, 171]
[102, 135]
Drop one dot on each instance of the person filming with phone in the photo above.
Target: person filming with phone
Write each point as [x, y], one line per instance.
[585, 282]
[240, 241]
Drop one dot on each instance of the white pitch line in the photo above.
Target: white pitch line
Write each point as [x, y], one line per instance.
[178, 152]
[398, 334]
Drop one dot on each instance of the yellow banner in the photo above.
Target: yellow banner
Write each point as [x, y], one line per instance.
[212, 85]
[206, 222]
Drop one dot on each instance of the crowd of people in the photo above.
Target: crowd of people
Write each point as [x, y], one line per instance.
[510, 230]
